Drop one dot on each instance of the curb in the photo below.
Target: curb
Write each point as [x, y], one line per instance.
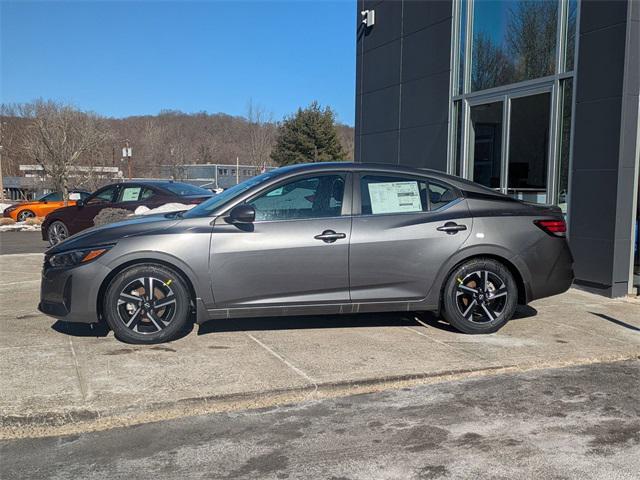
[75, 421]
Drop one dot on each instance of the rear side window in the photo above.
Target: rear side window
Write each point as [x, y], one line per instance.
[387, 194]
[129, 194]
[440, 195]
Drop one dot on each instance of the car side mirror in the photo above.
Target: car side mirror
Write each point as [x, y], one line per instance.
[79, 203]
[242, 214]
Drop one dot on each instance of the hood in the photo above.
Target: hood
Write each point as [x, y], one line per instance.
[113, 232]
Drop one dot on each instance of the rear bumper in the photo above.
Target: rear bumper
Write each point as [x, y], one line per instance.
[72, 294]
[551, 268]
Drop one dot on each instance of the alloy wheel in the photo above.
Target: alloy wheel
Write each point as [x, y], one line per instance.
[57, 233]
[481, 296]
[23, 215]
[147, 305]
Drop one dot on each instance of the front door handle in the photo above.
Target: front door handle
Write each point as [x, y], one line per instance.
[451, 228]
[329, 236]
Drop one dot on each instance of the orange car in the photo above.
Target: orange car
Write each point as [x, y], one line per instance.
[41, 207]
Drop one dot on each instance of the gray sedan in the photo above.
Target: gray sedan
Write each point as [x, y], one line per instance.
[326, 238]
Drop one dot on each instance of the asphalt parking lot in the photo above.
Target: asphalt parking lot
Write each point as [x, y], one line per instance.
[60, 378]
[21, 242]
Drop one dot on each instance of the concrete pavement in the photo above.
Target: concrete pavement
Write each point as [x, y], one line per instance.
[58, 378]
[571, 423]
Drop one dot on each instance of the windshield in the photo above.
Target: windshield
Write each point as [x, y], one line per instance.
[206, 208]
[184, 189]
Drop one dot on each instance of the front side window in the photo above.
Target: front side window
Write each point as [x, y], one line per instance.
[103, 196]
[381, 194]
[311, 197]
[52, 197]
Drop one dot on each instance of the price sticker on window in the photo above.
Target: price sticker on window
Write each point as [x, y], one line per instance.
[395, 197]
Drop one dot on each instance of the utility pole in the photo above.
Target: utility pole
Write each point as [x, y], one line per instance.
[1, 177]
[237, 170]
[126, 153]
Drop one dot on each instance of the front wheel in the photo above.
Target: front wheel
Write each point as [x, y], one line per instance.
[57, 232]
[24, 214]
[480, 296]
[147, 303]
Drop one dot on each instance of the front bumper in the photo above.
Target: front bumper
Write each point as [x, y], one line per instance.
[71, 294]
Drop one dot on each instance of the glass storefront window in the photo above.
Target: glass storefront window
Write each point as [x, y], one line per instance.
[570, 45]
[457, 137]
[462, 38]
[529, 147]
[485, 146]
[512, 41]
[564, 138]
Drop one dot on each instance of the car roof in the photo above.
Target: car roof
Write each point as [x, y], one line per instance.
[460, 183]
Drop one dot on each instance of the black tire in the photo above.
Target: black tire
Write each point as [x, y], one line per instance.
[490, 307]
[57, 232]
[24, 214]
[143, 321]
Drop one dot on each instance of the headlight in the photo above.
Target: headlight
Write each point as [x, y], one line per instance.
[76, 257]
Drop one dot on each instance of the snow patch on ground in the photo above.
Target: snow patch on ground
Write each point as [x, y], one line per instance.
[4, 205]
[166, 208]
[19, 227]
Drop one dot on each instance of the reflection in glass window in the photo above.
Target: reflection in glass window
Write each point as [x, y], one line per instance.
[566, 100]
[529, 147]
[512, 41]
[461, 44]
[570, 49]
[316, 197]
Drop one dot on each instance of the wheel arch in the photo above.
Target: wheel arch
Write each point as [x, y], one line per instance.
[139, 261]
[515, 267]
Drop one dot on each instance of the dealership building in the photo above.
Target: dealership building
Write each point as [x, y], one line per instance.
[536, 99]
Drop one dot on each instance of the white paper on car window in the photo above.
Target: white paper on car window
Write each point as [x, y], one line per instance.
[74, 196]
[131, 194]
[393, 197]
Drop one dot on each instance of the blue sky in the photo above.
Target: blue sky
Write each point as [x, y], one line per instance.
[132, 58]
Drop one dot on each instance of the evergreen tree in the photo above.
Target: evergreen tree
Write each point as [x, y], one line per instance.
[308, 136]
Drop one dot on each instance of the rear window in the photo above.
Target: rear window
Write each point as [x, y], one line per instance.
[184, 189]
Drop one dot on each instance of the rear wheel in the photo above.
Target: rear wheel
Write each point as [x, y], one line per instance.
[24, 214]
[480, 296]
[147, 303]
[57, 232]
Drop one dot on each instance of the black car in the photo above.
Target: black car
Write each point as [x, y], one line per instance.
[67, 221]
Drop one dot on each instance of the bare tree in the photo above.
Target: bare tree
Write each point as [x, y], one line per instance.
[261, 134]
[58, 137]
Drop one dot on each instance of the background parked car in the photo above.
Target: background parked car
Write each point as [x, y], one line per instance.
[128, 195]
[42, 206]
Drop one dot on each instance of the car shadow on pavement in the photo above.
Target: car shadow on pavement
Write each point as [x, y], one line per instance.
[390, 319]
[101, 329]
[81, 329]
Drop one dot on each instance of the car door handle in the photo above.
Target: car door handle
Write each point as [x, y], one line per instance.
[451, 228]
[329, 236]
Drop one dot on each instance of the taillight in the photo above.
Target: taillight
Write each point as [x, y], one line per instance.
[555, 228]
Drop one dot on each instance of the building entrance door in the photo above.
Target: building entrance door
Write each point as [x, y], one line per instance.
[509, 144]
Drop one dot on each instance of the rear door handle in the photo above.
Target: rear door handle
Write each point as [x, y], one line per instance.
[451, 228]
[329, 236]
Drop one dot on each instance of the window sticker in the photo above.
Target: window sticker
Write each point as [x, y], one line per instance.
[131, 194]
[393, 197]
